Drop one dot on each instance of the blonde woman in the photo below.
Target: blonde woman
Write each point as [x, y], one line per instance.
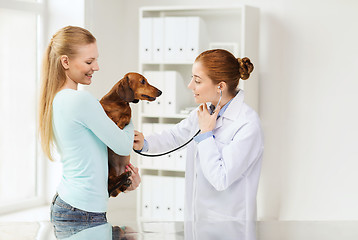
[76, 124]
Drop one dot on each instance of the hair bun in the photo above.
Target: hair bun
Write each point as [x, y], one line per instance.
[245, 67]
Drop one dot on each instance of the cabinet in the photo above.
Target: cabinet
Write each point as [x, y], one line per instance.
[170, 40]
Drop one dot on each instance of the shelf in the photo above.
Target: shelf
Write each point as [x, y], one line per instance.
[167, 63]
[178, 116]
[200, 8]
[141, 167]
[211, 33]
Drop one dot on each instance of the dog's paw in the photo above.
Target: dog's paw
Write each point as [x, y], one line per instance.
[122, 184]
[125, 185]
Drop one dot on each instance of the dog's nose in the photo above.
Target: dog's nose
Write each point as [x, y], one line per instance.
[159, 92]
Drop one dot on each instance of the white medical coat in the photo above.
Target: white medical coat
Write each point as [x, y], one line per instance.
[222, 173]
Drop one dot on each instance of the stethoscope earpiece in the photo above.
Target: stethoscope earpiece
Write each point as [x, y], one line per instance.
[221, 94]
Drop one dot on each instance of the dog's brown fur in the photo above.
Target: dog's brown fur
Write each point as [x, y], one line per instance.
[131, 88]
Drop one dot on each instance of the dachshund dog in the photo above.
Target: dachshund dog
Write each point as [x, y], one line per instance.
[131, 88]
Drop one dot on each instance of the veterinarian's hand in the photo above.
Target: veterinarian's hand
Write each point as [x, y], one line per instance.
[138, 140]
[206, 121]
[135, 177]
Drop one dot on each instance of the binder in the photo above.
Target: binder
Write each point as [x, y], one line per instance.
[156, 107]
[179, 198]
[146, 190]
[158, 39]
[157, 183]
[194, 35]
[180, 160]
[169, 159]
[147, 129]
[158, 162]
[174, 39]
[168, 198]
[177, 95]
[146, 41]
[166, 161]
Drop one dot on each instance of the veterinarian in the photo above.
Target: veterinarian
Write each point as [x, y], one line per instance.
[75, 123]
[224, 161]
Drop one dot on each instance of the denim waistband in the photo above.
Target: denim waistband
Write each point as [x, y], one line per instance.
[54, 198]
[61, 203]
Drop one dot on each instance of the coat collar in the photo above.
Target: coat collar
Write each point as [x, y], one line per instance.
[233, 110]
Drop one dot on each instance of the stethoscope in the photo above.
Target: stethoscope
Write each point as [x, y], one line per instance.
[212, 110]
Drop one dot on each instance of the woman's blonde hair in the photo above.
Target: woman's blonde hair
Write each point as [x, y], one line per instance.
[64, 42]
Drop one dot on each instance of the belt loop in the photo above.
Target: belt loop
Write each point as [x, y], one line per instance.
[54, 198]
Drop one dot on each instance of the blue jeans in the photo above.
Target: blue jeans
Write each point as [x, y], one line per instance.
[68, 220]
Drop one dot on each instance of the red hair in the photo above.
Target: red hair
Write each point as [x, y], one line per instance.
[222, 66]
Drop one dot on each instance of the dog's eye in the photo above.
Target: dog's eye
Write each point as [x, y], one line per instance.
[143, 81]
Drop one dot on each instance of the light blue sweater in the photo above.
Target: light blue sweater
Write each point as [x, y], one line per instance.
[82, 133]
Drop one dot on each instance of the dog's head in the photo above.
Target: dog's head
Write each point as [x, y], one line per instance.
[134, 87]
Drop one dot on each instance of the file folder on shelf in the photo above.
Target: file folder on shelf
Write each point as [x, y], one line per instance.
[156, 79]
[169, 159]
[175, 30]
[168, 198]
[179, 198]
[146, 191]
[158, 39]
[172, 39]
[162, 198]
[172, 161]
[166, 161]
[146, 42]
[180, 159]
[177, 95]
[146, 162]
[196, 39]
[157, 197]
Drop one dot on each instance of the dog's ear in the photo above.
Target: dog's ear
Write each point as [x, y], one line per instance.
[124, 91]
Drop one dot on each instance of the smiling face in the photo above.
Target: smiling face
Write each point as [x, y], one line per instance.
[202, 86]
[79, 69]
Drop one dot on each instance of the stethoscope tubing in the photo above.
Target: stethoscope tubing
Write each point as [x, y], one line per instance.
[173, 150]
[165, 153]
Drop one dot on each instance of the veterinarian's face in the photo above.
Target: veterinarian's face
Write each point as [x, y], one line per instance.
[203, 88]
[83, 64]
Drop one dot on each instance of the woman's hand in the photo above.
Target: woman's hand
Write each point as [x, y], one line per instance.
[206, 121]
[135, 177]
[138, 140]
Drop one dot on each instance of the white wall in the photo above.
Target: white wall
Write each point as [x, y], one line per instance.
[308, 78]
[60, 14]
[312, 88]
[105, 19]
